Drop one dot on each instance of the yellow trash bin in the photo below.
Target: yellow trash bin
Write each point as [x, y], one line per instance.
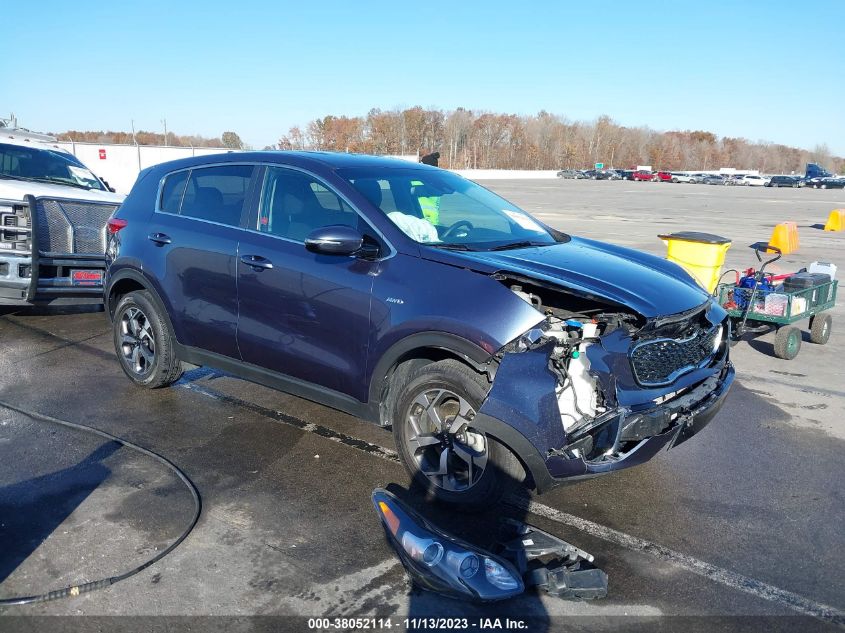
[701, 254]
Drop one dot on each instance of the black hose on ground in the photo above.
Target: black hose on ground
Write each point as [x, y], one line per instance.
[87, 587]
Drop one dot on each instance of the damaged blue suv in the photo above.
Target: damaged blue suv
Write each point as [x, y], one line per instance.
[496, 347]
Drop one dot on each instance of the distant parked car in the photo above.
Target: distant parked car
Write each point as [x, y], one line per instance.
[754, 181]
[627, 174]
[679, 177]
[616, 174]
[597, 174]
[567, 173]
[697, 178]
[642, 174]
[712, 179]
[782, 181]
[663, 176]
[833, 182]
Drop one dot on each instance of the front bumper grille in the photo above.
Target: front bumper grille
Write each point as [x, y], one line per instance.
[660, 361]
[71, 226]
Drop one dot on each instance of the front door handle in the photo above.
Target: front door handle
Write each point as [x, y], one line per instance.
[256, 261]
[159, 238]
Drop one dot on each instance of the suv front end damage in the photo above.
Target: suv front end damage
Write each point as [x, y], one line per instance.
[597, 388]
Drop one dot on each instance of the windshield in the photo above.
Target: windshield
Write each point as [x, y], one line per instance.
[45, 165]
[442, 209]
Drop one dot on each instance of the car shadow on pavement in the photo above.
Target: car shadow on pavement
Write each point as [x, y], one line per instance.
[31, 510]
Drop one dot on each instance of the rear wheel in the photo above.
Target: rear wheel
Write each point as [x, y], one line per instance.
[142, 340]
[787, 342]
[820, 326]
[438, 444]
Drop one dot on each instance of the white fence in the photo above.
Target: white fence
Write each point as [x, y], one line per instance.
[120, 164]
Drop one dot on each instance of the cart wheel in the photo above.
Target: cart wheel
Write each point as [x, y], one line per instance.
[820, 325]
[787, 342]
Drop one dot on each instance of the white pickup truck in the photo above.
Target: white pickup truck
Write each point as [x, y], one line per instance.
[53, 214]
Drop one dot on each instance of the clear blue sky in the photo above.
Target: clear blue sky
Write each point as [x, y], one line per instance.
[771, 70]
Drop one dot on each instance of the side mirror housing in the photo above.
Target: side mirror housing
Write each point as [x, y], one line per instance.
[337, 239]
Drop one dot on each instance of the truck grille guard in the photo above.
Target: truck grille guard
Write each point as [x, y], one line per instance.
[52, 228]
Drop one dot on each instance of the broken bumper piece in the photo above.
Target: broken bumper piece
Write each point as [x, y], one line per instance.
[521, 410]
[551, 564]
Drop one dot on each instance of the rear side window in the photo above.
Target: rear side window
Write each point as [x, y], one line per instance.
[217, 194]
[171, 193]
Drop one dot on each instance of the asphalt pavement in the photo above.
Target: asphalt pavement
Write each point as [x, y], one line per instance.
[739, 528]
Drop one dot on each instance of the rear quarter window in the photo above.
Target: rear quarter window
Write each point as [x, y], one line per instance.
[171, 192]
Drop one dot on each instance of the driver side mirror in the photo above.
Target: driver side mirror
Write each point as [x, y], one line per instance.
[337, 239]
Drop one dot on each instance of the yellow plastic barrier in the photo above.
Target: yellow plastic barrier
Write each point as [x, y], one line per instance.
[701, 254]
[785, 237]
[836, 221]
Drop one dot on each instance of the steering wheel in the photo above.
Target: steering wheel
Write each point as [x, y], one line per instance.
[455, 227]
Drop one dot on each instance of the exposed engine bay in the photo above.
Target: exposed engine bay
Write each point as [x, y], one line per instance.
[615, 372]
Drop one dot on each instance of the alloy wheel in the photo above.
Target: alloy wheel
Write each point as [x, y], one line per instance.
[137, 342]
[445, 448]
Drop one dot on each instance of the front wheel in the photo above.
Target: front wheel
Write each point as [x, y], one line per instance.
[142, 340]
[438, 444]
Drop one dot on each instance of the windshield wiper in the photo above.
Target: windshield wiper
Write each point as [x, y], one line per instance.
[511, 245]
[451, 246]
[52, 181]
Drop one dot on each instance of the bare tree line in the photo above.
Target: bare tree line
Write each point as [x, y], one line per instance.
[228, 139]
[484, 140]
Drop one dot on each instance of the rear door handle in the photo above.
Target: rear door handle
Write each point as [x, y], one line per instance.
[256, 261]
[159, 238]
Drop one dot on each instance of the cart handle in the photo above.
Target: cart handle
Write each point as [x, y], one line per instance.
[764, 247]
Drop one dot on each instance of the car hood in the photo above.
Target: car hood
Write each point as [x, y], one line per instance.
[644, 283]
[17, 189]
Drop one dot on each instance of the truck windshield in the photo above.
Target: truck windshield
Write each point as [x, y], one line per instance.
[441, 209]
[45, 165]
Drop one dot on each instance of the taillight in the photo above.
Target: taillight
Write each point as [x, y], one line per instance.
[115, 224]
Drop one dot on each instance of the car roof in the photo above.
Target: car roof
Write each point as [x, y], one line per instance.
[304, 159]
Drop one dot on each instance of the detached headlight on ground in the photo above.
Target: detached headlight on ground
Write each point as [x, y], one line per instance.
[440, 562]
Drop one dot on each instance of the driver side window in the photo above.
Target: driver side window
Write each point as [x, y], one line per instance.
[293, 204]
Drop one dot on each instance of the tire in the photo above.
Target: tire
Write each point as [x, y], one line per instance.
[820, 326]
[448, 390]
[795, 186]
[787, 342]
[143, 342]
[675, 180]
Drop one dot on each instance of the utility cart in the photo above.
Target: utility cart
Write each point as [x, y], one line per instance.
[757, 304]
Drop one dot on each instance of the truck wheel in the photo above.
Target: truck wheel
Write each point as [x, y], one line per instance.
[820, 325]
[787, 342]
[432, 427]
[143, 342]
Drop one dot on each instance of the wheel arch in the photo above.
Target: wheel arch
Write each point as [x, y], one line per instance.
[126, 281]
[416, 350]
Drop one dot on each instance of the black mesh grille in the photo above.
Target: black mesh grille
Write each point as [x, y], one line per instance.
[72, 227]
[661, 361]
